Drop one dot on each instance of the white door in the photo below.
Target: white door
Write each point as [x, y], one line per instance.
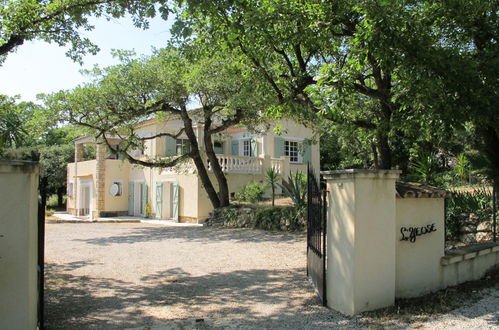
[85, 200]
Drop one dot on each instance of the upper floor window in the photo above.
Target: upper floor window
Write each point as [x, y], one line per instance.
[219, 147]
[183, 146]
[292, 150]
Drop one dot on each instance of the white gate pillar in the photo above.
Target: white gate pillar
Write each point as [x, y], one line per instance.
[361, 239]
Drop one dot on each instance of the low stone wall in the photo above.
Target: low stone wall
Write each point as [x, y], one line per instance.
[475, 229]
[283, 218]
[468, 263]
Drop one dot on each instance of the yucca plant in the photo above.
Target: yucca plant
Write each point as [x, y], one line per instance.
[462, 167]
[271, 178]
[295, 187]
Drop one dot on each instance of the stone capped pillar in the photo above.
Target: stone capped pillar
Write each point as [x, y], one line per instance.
[100, 177]
[360, 239]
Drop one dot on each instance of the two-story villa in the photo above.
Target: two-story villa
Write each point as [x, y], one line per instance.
[107, 186]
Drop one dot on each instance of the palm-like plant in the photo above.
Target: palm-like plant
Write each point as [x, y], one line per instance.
[271, 178]
[295, 187]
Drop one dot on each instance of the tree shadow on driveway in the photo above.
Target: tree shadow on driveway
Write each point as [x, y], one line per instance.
[139, 234]
[251, 298]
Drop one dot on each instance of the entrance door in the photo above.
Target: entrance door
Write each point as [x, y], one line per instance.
[139, 197]
[85, 200]
[167, 199]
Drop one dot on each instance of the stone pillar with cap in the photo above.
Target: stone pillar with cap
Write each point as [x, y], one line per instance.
[360, 239]
[100, 177]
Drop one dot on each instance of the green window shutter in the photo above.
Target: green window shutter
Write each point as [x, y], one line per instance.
[278, 147]
[159, 199]
[130, 198]
[175, 201]
[254, 148]
[144, 198]
[307, 153]
[235, 147]
[170, 146]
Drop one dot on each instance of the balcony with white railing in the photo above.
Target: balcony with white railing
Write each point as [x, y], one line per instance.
[239, 164]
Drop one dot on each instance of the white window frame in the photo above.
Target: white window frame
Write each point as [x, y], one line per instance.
[293, 152]
[246, 147]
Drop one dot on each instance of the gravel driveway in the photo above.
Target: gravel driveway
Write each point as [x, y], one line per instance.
[148, 276]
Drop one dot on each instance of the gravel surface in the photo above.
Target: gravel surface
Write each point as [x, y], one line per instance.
[141, 276]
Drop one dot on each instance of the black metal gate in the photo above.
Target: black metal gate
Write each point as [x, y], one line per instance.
[316, 235]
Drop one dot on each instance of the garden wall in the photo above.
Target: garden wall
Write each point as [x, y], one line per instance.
[386, 240]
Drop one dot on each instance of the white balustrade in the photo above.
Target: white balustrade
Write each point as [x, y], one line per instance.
[277, 164]
[238, 164]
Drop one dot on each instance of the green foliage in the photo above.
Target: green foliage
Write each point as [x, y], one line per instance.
[462, 203]
[296, 188]
[385, 68]
[61, 22]
[272, 178]
[251, 192]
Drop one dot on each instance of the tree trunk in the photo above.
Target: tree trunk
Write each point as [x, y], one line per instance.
[490, 146]
[43, 191]
[385, 153]
[198, 161]
[375, 155]
[223, 188]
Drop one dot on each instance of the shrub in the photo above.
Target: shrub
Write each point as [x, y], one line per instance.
[284, 218]
[251, 192]
[290, 218]
[49, 212]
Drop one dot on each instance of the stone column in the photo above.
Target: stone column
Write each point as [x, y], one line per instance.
[79, 157]
[79, 152]
[100, 177]
[360, 239]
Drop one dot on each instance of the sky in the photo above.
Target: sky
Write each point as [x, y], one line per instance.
[39, 67]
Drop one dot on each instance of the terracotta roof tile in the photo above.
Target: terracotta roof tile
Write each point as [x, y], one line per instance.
[419, 190]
